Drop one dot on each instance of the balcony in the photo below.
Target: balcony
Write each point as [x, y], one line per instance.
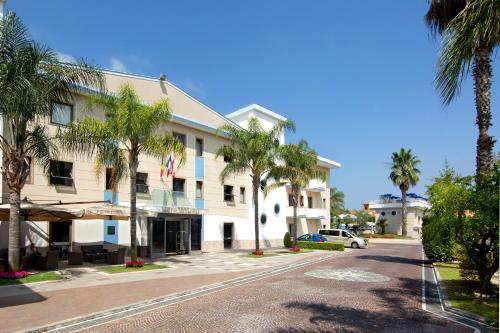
[308, 213]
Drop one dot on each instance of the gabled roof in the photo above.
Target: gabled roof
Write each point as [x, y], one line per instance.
[255, 108]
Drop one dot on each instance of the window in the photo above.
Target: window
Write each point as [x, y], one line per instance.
[61, 173]
[290, 200]
[180, 137]
[179, 184]
[329, 232]
[199, 147]
[111, 230]
[345, 234]
[383, 213]
[263, 184]
[227, 159]
[324, 203]
[199, 190]
[29, 178]
[141, 183]
[309, 202]
[228, 193]
[301, 201]
[62, 114]
[305, 237]
[242, 195]
[393, 213]
[109, 172]
[263, 218]
[276, 209]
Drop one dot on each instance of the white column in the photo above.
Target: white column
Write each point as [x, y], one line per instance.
[2, 4]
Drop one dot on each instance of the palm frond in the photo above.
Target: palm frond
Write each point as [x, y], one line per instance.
[40, 146]
[161, 146]
[441, 12]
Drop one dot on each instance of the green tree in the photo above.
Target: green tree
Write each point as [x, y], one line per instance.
[382, 224]
[470, 33]
[252, 151]
[337, 198]
[299, 165]
[31, 79]
[404, 174]
[131, 129]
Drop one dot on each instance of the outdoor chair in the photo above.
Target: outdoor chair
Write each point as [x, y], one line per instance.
[49, 262]
[75, 258]
[116, 257]
[91, 253]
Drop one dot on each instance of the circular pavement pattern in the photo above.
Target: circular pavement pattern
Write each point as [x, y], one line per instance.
[352, 275]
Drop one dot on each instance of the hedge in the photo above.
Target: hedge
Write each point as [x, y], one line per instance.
[321, 246]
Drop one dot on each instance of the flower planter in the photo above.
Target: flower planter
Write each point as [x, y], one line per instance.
[134, 264]
[258, 253]
[14, 275]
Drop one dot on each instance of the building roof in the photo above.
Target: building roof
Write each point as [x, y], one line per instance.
[255, 108]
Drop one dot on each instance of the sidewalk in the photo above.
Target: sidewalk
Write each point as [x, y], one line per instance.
[88, 291]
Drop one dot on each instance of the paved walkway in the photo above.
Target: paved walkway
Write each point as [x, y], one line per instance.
[90, 291]
[334, 295]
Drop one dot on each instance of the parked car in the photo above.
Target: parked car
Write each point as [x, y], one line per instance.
[343, 236]
[312, 238]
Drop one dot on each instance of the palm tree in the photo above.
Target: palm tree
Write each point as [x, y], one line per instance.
[337, 199]
[130, 129]
[404, 174]
[31, 79]
[298, 165]
[251, 150]
[470, 33]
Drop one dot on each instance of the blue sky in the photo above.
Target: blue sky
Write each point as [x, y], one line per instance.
[356, 76]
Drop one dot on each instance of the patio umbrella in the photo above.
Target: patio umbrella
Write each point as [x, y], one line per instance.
[52, 213]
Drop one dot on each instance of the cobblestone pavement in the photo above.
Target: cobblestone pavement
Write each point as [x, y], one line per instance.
[298, 302]
[89, 291]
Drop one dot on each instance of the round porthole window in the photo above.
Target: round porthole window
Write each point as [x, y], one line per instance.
[276, 142]
[263, 184]
[393, 213]
[263, 219]
[383, 213]
[277, 209]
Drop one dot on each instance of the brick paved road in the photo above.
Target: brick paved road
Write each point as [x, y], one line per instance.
[295, 302]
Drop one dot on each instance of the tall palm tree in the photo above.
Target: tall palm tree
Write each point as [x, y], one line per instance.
[404, 174]
[298, 164]
[252, 151]
[130, 129]
[31, 79]
[337, 202]
[470, 33]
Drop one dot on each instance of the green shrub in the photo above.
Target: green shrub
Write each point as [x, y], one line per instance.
[321, 246]
[287, 240]
[437, 240]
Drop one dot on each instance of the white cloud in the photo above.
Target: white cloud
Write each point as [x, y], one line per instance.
[118, 65]
[66, 57]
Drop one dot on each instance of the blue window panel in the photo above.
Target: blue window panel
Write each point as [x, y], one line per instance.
[110, 226]
[199, 204]
[199, 166]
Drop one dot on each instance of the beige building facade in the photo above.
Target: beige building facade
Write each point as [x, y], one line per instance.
[191, 212]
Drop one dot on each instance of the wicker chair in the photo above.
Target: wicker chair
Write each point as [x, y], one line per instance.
[75, 258]
[49, 262]
[116, 257]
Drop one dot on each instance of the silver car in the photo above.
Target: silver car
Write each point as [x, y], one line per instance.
[343, 237]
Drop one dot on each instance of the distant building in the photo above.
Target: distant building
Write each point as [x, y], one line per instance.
[389, 207]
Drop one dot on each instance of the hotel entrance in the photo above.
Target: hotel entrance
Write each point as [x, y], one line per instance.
[171, 235]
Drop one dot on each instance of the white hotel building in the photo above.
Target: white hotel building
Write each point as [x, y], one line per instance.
[191, 212]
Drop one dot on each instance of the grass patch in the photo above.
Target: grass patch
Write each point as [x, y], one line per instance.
[461, 293]
[122, 269]
[249, 255]
[37, 277]
[394, 236]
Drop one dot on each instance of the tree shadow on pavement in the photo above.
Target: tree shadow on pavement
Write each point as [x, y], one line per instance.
[394, 311]
[23, 295]
[393, 259]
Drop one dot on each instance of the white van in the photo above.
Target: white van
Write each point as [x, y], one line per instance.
[343, 237]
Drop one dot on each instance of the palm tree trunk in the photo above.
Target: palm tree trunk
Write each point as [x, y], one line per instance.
[482, 86]
[255, 186]
[295, 218]
[133, 165]
[403, 224]
[14, 229]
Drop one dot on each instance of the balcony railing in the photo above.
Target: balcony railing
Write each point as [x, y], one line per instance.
[308, 213]
[168, 198]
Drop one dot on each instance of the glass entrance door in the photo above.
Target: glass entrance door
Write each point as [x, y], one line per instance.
[158, 236]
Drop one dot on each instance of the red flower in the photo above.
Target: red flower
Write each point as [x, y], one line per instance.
[258, 253]
[13, 275]
[138, 263]
[294, 249]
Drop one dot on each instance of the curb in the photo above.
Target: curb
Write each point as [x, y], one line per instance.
[447, 304]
